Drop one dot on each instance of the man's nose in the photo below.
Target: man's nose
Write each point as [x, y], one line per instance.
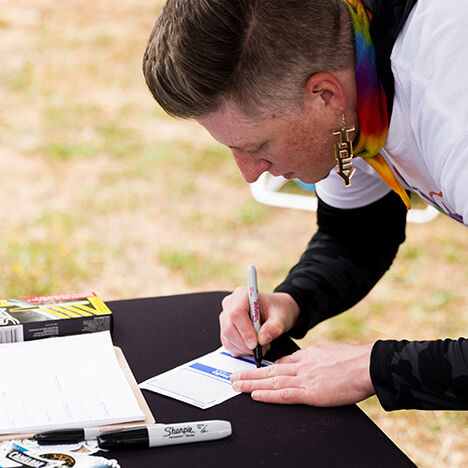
[250, 166]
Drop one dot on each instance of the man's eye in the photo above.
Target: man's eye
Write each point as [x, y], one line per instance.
[256, 150]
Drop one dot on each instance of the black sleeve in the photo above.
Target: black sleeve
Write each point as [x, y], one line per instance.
[350, 252]
[421, 374]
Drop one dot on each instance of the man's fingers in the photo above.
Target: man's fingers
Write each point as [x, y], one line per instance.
[266, 372]
[270, 330]
[232, 341]
[290, 359]
[245, 328]
[265, 349]
[271, 383]
[288, 396]
[233, 349]
[235, 320]
[232, 333]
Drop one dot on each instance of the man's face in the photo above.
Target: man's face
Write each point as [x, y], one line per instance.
[295, 146]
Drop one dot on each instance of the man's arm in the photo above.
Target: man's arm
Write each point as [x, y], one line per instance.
[421, 374]
[350, 252]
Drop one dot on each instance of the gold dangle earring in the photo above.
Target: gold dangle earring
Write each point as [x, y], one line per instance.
[344, 152]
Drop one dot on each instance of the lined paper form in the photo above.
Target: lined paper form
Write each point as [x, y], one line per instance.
[61, 382]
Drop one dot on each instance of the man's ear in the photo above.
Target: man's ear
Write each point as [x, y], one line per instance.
[325, 90]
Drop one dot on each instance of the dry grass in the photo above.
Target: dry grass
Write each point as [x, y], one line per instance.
[101, 191]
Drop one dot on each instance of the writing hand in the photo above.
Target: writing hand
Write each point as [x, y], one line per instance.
[331, 375]
[278, 313]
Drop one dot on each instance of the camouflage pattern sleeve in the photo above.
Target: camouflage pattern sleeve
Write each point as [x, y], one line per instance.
[428, 375]
[350, 252]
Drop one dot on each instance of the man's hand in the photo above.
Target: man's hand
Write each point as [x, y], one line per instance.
[278, 313]
[331, 375]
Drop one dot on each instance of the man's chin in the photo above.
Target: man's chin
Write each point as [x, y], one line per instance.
[312, 179]
[309, 180]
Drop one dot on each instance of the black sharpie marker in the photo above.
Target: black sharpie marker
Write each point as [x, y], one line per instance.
[70, 436]
[156, 435]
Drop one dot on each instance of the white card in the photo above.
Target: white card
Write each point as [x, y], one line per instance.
[203, 382]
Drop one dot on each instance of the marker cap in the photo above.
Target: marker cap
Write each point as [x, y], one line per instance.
[128, 438]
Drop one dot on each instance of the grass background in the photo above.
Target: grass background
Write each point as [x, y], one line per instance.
[100, 190]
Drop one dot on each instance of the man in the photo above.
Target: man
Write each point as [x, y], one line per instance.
[290, 86]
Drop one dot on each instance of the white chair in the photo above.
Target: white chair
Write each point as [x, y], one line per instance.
[266, 190]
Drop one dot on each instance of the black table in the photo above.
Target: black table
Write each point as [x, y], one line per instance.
[157, 334]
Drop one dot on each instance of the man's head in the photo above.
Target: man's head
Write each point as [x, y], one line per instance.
[253, 61]
[257, 53]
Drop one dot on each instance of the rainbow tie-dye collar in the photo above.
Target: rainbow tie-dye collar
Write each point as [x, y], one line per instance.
[371, 104]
